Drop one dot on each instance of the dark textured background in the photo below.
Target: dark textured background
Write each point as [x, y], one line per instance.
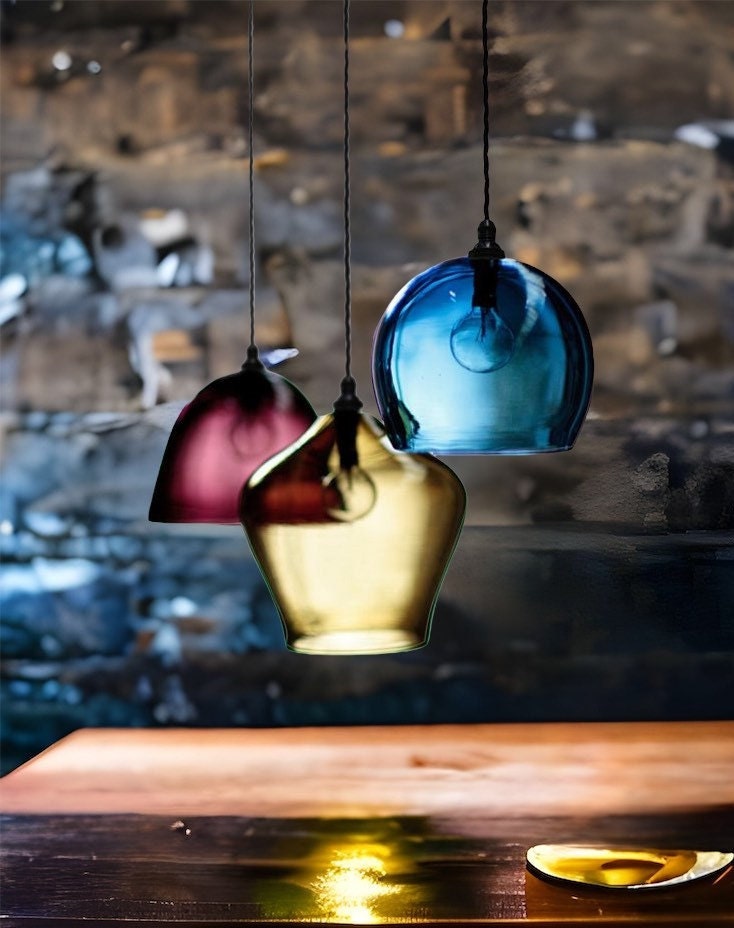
[597, 584]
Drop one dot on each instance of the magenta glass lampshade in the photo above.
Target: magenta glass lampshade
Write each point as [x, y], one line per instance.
[226, 432]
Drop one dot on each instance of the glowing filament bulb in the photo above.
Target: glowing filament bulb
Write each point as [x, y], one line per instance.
[481, 341]
[350, 494]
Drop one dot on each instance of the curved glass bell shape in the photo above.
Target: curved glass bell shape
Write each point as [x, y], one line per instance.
[220, 438]
[508, 372]
[353, 555]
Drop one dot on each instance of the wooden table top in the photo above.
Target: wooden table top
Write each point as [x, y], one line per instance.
[423, 824]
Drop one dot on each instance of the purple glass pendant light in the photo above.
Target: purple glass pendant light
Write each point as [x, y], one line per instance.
[483, 354]
[233, 425]
[352, 537]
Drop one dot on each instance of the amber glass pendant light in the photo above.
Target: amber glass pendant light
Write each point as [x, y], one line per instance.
[234, 424]
[353, 538]
[483, 354]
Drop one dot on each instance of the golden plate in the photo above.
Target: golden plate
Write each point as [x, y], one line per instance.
[624, 868]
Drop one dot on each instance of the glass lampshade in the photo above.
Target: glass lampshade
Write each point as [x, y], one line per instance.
[352, 537]
[224, 434]
[482, 357]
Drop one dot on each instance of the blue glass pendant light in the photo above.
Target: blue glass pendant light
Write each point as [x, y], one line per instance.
[352, 537]
[233, 425]
[483, 354]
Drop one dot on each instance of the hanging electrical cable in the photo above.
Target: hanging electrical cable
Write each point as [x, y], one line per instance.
[236, 422]
[483, 354]
[352, 538]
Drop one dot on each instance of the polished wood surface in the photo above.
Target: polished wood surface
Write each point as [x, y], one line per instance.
[552, 769]
[239, 827]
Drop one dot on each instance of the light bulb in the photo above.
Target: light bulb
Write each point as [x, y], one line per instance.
[252, 436]
[350, 494]
[481, 341]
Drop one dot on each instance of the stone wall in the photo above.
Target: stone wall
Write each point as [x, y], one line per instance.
[594, 584]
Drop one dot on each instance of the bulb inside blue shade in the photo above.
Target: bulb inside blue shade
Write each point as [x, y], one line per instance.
[482, 358]
[481, 342]
[350, 494]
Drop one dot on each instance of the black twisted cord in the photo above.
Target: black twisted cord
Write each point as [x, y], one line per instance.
[485, 91]
[347, 197]
[250, 119]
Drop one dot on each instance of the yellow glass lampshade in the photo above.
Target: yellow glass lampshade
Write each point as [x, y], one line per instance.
[353, 538]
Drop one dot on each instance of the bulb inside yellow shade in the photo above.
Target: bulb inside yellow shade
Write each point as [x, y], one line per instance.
[350, 494]
[354, 554]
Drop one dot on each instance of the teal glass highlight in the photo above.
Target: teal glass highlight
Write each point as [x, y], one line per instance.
[482, 356]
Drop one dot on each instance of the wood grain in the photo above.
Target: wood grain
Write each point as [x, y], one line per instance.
[245, 827]
[231, 870]
[539, 769]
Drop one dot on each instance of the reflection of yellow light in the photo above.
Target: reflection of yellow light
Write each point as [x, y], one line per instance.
[351, 885]
[355, 642]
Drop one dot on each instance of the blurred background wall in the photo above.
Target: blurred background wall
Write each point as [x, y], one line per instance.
[597, 584]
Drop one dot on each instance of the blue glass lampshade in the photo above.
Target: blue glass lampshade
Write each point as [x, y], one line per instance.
[482, 356]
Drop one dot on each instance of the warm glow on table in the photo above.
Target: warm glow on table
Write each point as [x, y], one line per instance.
[390, 826]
